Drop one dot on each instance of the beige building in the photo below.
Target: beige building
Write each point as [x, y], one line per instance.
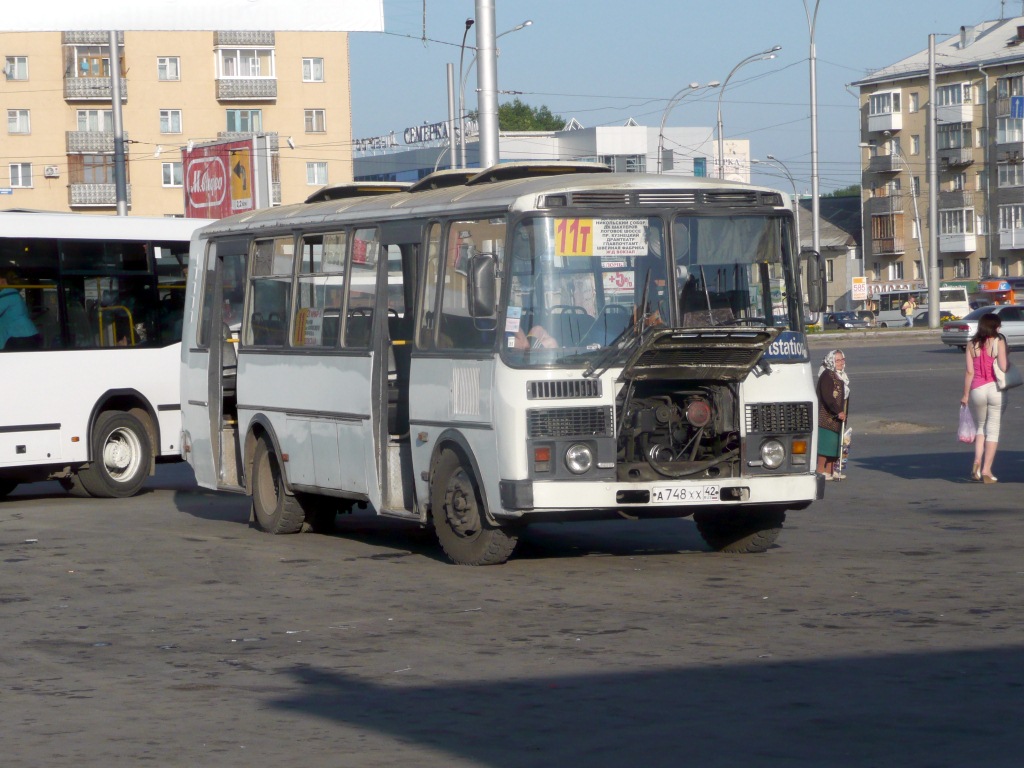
[980, 153]
[57, 152]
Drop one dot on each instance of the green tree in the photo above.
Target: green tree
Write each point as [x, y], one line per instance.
[517, 116]
[851, 191]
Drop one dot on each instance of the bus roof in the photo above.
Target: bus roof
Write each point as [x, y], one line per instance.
[85, 226]
[527, 192]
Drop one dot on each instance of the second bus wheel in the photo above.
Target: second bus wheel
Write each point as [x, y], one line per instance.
[740, 531]
[461, 526]
[273, 509]
[121, 457]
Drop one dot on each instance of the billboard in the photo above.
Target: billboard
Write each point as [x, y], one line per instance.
[222, 178]
[185, 15]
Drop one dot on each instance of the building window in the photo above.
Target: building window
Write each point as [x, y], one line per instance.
[1009, 86]
[1002, 267]
[245, 62]
[316, 174]
[95, 120]
[91, 61]
[956, 222]
[915, 186]
[953, 95]
[954, 135]
[915, 145]
[961, 268]
[313, 70]
[884, 103]
[1011, 217]
[91, 169]
[1009, 130]
[1011, 174]
[172, 174]
[636, 163]
[315, 121]
[959, 182]
[16, 68]
[21, 174]
[830, 270]
[700, 167]
[170, 121]
[876, 270]
[168, 68]
[914, 102]
[896, 270]
[18, 121]
[245, 120]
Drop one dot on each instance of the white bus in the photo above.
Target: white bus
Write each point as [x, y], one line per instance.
[953, 304]
[509, 381]
[92, 398]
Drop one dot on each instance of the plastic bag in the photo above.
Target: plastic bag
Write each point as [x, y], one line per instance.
[967, 430]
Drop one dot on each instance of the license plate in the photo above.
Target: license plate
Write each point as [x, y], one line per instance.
[684, 494]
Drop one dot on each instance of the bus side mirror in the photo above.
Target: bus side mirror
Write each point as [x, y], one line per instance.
[817, 298]
[482, 285]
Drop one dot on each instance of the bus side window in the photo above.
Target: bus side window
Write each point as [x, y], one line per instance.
[362, 288]
[427, 326]
[271, 291]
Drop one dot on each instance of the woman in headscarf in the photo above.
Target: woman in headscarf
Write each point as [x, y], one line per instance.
[833, 402]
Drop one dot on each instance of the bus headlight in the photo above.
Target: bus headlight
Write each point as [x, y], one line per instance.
[773, 453]
[579, 458]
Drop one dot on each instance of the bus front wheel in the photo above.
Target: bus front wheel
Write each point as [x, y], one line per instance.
[462, 528]
[121, 457]
[273, 509]
[740, 531]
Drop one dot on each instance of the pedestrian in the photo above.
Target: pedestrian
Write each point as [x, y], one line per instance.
[833, 403]
[908, 310]
[987, 402]
[17, 331]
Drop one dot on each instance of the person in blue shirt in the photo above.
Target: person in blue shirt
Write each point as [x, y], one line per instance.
[17, 331]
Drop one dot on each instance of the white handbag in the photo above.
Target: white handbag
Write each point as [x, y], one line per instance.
[1007, 379]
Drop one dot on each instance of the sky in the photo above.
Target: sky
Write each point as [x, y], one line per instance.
[605, 61]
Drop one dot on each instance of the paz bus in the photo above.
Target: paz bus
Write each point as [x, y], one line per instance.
[567, 344]
[94, 404]
[953, 304]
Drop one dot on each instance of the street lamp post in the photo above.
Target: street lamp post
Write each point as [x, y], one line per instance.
[761, 56]
[672, 103]
[462, 105]
[772, 160]
[812, 23]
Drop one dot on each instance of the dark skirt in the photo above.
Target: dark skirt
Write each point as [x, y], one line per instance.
[828, 443]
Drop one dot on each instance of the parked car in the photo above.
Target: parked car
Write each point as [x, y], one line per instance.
[921, 318]
[958, 332]
[844, 321]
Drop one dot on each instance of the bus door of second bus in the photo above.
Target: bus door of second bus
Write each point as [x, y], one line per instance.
[209, 406]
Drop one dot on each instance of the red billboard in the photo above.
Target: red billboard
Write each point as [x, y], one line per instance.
[223, 178]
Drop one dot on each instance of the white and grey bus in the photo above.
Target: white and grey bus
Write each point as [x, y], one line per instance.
[566, 344]
[92, 397]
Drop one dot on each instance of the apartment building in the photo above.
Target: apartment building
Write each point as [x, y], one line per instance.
[177, 89]
[979, 116]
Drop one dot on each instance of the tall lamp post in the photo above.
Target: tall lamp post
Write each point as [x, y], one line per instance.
[812, 23]
[462, 105]
[774, 161]
[761, 56]
[672, 103]
[469, 68]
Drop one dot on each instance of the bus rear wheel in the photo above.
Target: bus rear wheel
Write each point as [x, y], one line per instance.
[273, 509]
[739, 531]
[121, 457]
[462, 528]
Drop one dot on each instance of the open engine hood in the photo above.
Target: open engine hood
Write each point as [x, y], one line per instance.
[717, 354]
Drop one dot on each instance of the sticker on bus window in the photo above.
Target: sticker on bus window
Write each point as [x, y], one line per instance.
[601, 237]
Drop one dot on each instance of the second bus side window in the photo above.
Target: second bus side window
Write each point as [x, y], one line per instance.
[270, 292]
[321, 290]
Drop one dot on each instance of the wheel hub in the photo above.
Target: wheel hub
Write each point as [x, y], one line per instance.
[460, 507]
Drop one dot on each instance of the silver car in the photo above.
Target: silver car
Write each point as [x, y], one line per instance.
[956, 333]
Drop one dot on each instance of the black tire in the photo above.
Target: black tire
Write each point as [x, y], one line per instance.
[73, 485]
[273, 509]
[6, 486]
[460, 524]
[740, 531]
[121, 457]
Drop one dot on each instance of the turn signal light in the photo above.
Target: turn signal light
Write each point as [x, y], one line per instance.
[799, 446]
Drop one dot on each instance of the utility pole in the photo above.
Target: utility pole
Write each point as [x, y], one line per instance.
[487, 78]
[451, 115]
[120, 170]
[933, 195]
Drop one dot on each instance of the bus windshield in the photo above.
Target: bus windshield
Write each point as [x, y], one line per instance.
[578, 284]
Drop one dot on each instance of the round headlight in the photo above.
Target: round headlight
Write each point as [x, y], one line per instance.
[579, 458]
[773, 453]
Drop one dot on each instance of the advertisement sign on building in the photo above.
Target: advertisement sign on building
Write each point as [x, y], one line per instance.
[226, 177]
[859, 289]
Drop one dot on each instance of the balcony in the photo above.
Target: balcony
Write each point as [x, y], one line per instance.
[887, 246]
[82, 142]
[1011, 239]
[247, 89]
[958, 243]
[241, 38]
[882, 204]
[1009, 196]
[94, 195]
[956, 157]
[272, 137]
[885, 164]
[954, 113]
[960, 198]
[887, 121]
[92, 89]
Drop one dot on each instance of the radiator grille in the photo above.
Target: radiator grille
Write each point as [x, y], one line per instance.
[666, 198]
[779, 418]
[569, 422]
[563, 390]
[600, 198]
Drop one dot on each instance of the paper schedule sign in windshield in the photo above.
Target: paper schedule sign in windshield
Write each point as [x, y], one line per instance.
[600, 237]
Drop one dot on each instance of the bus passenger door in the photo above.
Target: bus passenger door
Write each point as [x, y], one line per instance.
[209, 414]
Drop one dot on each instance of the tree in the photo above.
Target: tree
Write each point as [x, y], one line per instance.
[851, 191]
[517, 116]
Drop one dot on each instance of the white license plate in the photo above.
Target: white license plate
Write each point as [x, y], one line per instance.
[684, 494]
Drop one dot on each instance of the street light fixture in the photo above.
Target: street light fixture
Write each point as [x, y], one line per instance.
[773, 160]
[464, 77]
[672, 103]
[761, 56]
[462, 106]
